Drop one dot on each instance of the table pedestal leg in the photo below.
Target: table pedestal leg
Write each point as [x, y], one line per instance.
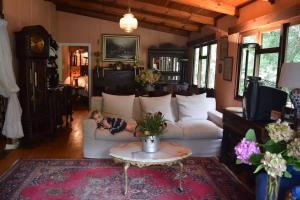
[180, 176]
[126, 166]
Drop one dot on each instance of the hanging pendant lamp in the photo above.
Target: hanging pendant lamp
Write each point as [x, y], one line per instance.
[128, 22]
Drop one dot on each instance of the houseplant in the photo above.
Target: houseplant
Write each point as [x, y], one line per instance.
[147, 79]
[280, 150]
[151, 127]
[98, 57]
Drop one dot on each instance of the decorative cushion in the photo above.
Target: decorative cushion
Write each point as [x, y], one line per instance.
[173, 131]
[200, 129]
[158, 104]
[192, 107]
[118, 106]
[210, 104]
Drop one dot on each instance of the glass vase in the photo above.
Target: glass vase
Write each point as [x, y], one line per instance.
[273, 188]
[149, 88]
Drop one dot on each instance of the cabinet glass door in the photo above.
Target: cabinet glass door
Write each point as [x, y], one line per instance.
[169, 67]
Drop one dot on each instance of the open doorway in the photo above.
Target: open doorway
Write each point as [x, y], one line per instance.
[74, 68]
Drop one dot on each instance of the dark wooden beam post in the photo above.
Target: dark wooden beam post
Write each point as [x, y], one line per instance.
[1, 9]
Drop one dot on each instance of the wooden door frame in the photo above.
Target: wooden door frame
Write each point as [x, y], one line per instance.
[59, 52]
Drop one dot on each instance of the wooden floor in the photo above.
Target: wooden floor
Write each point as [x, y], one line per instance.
[67, 144]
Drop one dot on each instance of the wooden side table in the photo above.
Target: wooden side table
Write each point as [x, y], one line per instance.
[235, 128]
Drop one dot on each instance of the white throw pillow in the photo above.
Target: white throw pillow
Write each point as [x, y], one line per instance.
[158, 104]
[115, 105]
[192, 107]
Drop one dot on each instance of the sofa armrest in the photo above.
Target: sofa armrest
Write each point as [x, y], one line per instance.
[89, 129]
[216, 117]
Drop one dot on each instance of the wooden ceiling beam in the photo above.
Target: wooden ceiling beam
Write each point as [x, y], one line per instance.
[212, 5]
[114, 18]
[161, 10]
[262, 21]
[91, 6]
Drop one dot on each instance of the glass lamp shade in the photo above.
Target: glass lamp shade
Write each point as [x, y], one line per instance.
[128, 22]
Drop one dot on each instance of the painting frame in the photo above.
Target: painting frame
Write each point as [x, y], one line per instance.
[227, 68]
[111, 41]
[223, 44]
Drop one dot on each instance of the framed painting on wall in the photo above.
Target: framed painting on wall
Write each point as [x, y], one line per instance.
[223, 44]
[227, 71]
[120, 47]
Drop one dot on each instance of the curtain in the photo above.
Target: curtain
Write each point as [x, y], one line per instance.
[12, 127]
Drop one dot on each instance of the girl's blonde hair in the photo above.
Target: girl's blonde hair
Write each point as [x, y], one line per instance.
[94, 112]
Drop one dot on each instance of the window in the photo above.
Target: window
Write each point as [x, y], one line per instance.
[247, 61]
[249, 39]
[196, 64]
[205, 66]
[255, 60]
[293, 44]
[269, 57]
[212, 66]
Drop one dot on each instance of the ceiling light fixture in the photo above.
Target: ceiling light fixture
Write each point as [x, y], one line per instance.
[128, 22]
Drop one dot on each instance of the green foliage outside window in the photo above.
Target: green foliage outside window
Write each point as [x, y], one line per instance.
[205, 66]
[293, 44]
[268, 66]
[271, 39]
[196, 66]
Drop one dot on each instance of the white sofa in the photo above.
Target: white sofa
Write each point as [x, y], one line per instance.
[204, 137]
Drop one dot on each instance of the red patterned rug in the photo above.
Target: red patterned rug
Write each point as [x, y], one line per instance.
[91, 179]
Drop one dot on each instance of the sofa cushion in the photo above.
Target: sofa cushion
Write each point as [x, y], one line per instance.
[104, 134]
[200, 129]
[115, 105]
[137, 110]
[158, 104]
[192, 107]
[210, 103]
[173, 131]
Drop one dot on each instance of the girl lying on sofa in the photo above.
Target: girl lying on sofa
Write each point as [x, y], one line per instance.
[114, 125]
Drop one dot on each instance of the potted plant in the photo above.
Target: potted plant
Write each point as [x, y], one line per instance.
[151, 127]
[98, 56]
[137, 63]
[147, 79]
[282, 149]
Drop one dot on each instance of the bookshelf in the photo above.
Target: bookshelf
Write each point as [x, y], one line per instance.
[171, 62]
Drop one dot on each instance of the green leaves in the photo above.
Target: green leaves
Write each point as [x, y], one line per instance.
[256, 158]
[153, 123]
[287, 174]
[258, 168]
[274, 147]
[238, 161]
[250, 135]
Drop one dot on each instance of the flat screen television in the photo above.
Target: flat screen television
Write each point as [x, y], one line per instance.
[259, 100]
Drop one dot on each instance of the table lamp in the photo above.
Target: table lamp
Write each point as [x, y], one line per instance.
[290, 78]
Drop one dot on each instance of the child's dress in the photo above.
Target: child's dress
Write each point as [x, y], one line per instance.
[117, 125]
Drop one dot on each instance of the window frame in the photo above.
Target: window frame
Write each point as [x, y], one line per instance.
[240, 47]
[208, 60]
[280, 49]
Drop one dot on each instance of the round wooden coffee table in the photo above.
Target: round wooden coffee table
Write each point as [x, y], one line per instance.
[132, 154]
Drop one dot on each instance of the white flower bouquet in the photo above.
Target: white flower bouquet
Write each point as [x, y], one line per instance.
[282, 149]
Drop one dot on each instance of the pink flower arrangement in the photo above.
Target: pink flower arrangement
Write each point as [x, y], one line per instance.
[245, 149]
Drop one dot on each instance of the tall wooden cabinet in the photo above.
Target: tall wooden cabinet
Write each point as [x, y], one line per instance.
[32, 45]
[171, 61]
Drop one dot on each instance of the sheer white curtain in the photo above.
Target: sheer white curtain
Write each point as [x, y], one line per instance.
[12, 126]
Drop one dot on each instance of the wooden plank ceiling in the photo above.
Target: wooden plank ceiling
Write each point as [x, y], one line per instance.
[174, 16]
